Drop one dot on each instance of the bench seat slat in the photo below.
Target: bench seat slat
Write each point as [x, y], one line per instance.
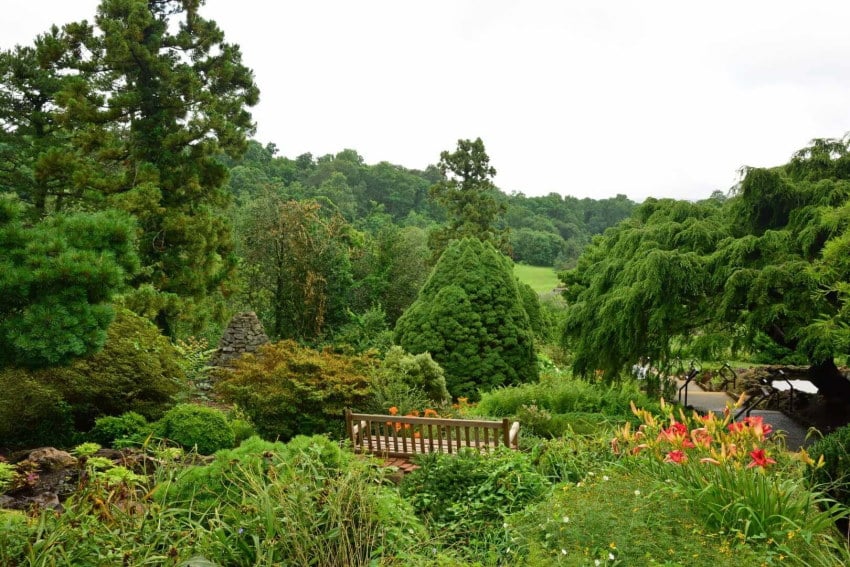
[404, 436]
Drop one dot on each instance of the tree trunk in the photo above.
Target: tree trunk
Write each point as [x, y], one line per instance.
[831, 382]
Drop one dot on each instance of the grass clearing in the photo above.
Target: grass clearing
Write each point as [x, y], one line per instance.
[542, 279]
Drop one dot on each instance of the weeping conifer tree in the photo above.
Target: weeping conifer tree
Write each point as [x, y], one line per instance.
[470, 317]
[765, 270]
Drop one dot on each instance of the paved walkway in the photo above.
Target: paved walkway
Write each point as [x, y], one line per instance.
[702, 401]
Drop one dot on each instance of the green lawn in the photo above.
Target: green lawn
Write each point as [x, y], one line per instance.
[540, 278]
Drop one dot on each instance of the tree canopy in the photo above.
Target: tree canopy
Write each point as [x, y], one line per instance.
[468, 194]
[769, 263]
[132, 113]
[297, 265]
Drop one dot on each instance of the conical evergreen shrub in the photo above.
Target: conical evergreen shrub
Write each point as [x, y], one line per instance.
[469, 315]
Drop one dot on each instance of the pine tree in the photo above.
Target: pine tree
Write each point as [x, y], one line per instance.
[469, 196]
[134, 113]
[56, 280]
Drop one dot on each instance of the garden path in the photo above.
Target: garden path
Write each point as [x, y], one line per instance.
[702, 401]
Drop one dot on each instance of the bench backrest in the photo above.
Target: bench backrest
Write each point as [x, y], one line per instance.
[402, 436]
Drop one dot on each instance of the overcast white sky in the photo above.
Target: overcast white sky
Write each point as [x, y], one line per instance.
[650, 98]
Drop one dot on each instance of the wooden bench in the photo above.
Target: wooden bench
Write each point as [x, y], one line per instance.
[405, 436]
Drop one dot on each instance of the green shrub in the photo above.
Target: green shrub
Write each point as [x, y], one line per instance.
[834, 475]
[366, 331]
[111, 429]
[391, 391]
[32, 413]
[408, 382]
[288, 390]
[138, 370]
[531, 304]
[570, 458]
[418, 370]
[242, 429]
[316, 504]
[207, 486]
[465, 497]
[560, 395]
[308, 502]
[540, 422]
[203, 428]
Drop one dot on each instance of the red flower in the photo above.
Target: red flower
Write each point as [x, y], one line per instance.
[674, 433]
[677, 428]
[757, 423]
[754, 423]
[760, 459]
[676, 456]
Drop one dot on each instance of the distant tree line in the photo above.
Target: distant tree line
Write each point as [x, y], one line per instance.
[543, 231]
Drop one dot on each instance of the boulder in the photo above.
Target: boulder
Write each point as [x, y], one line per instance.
[50, 459]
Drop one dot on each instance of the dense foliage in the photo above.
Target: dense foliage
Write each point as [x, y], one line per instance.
[468, 496]
[123, 146]
[549, 229]
[470, 317]
[767, 264]
[57, 277]
[304, 503]
[137, 370]
[112, 430]
[834, 474]
[297, 265]
[418, 371]
[92, 97]
[287, 389]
